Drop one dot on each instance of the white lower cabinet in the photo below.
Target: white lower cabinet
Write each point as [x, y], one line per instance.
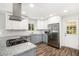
[36, 38]
[45, 38]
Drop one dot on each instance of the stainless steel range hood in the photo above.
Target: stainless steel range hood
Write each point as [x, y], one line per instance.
[16, 12]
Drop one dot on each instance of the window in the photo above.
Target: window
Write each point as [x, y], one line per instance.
[71, 28]
[31, 27]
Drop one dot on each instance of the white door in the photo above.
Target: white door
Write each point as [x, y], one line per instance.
[70, 40]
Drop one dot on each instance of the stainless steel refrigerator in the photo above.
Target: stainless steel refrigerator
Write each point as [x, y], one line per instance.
[53, 35]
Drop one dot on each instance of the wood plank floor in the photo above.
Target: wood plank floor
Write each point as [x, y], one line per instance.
[45, 50]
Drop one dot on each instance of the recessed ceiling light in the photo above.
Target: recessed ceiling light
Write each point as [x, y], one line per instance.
[65, 11]
[31, 5]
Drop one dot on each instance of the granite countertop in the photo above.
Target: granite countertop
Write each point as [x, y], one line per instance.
[3, 36]
[17, 49]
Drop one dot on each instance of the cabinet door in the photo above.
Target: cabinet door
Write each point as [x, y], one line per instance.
[45, 24]
[40, 24]
[24, 24]
[45, 38]
[10, 24]
[36, 38]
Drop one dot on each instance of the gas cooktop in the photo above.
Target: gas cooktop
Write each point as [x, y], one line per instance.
[16, 41]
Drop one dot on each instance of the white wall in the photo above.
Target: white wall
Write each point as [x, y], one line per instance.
[71, 41]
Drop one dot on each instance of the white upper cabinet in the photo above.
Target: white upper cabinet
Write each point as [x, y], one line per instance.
[16, 25]
[42, 24]
[55, 19]
[46, 24]
[24, 24]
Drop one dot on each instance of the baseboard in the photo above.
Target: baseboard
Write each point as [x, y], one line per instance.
[39, 42]
[70, 47]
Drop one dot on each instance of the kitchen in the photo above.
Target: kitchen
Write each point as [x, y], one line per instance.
[26, 28]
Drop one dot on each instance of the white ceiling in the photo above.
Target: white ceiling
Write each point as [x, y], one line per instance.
[45, 9]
